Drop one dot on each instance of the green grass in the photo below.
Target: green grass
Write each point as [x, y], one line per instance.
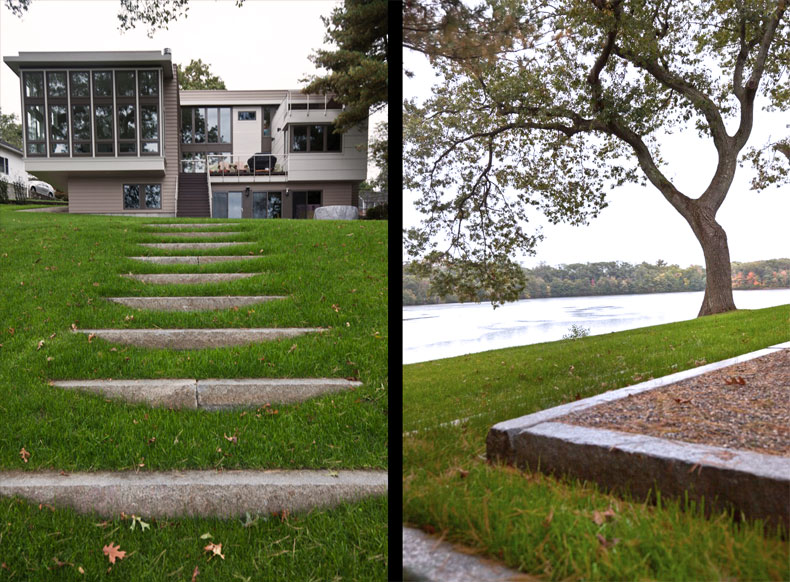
[56, 271]
[348, 542]
[543, 525]
[58, 268]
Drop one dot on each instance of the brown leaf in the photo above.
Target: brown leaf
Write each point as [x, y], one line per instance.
[735, 380]
[24, 454]
[90, 337]
[464, 474]
[293, 347]
[549, 517]
[195, 573]
[682, 400]
[607, 543]
[40, 345]
[336, 308]
[73, 327]
[601, 516]
[232, 439]
[215, 549]
[114, 552]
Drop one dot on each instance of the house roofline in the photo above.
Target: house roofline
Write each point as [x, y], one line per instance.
[50, 59]
[8, 146]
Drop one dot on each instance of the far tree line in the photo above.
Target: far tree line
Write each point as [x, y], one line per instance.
[614, 278]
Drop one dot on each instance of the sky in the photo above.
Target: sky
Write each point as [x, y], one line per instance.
[639, 224]
[264, 44]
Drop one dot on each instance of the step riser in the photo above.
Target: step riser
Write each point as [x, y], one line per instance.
[164, 279]
[193, 246]
[191, 234]
[194, 260]
[211, 394]
[195, 225]
[192, 303]
[196, 339]
[194, 493]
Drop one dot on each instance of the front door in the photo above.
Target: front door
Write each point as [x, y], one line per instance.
[234, 204]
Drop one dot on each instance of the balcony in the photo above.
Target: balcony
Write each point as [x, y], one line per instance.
[239, 168]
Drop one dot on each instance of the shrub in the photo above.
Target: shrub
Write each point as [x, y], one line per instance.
[380, 212]
[576, 331]
[20, 190]
[3, 190]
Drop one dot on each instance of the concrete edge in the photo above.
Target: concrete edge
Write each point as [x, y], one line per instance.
[59, 208]
[502, 433]
[194, 259]
[195, 493]
[186, 278]
[194, 246]
[429, 559]
[194, 303]
[210, 394]
[193, 225]
[755, 484]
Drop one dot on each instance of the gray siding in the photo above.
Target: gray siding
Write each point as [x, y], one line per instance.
[170, 124]
[89, 195]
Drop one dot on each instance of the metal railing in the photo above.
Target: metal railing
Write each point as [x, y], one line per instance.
[237, 165]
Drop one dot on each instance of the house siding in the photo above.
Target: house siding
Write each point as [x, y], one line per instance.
[171, 139]
[334, 193]
[90, 195]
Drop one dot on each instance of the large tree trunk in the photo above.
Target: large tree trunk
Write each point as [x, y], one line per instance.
[718, 270]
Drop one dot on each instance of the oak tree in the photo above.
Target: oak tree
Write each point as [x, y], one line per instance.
[197, 75]
[550, 104]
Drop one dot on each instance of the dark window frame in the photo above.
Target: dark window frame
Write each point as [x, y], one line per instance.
[36, 142]
[78, 142]
[191, 135]
[328, 129]
[103, 101]
[250, 116]
[63, 141]
[141, 195]
[123, 101]
[4, 166]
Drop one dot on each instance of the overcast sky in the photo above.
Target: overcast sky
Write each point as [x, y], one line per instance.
[639, 224]
[264, 44]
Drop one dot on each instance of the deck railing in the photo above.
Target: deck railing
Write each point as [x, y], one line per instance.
[237, 165]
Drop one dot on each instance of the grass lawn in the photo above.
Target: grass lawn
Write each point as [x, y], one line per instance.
[542, 525]
[56, 270]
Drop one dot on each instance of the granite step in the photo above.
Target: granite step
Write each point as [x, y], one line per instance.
[170, 494]
[193, 303]
[194, 260]
[188, 278]
[212, 394]
[195, 225]
[195, 339]
[196, 234]
[193, 246]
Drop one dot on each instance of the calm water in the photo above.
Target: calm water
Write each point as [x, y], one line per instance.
[431, 332]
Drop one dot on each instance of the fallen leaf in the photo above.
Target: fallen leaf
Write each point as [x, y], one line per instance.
[205, 536]
[195, 573]
[607, 543]
[80, 570]
[40, 345]
[90, 337]
[682, 400]
[60, 564]
[293, 347]
[334, 474]
[601, 516]
[136, 520]
[464, 474]
[336, 308]
[113, 552]
[215, 549]
[50, 358]
[73, 327]
[53, 335]
[232, 439]
[24, 454]
[735, 380]
[549, 517]
[95, 284]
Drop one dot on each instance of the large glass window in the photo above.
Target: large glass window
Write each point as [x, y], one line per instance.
[58, 129]
[142, 196]
[102, 84]
[186, 125]
[34, 124]
[127, 135]
[200, 125]
[34, 85]
[104, 135]
[149, 83]
[224, 125]
[212, 125]
[149, 128]
[56, 84]
[81, 129]
[267, 204]
[80, 84]
[305, 202]
[247, 115]
[315, 138]
[124, 83]
[153, 196]
[268, 116]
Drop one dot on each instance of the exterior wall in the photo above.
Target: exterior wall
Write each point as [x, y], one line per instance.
[225, 97]
[16, 165]
[350, 164]
[104, 195]
[171, 114]
[246, 134]
[333, 193]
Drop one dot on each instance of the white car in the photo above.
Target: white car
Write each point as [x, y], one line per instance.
[36, 187]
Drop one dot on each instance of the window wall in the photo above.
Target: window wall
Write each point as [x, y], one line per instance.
[96, 112]
[318, 137]
[206, 125]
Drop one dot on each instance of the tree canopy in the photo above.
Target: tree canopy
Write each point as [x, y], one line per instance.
[11, 130]
[357, 68]
[197, 75]
[547, 105]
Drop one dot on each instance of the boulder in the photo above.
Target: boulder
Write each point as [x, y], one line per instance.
[336, 213]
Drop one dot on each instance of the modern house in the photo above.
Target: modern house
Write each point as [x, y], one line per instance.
[114, 131]
[12, 164]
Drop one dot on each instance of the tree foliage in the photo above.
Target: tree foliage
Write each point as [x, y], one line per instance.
[197, 75]
[11, 130]
[357, 68]
[546, 106]
[154, 14]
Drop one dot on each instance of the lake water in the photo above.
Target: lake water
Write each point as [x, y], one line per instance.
[431, 332]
